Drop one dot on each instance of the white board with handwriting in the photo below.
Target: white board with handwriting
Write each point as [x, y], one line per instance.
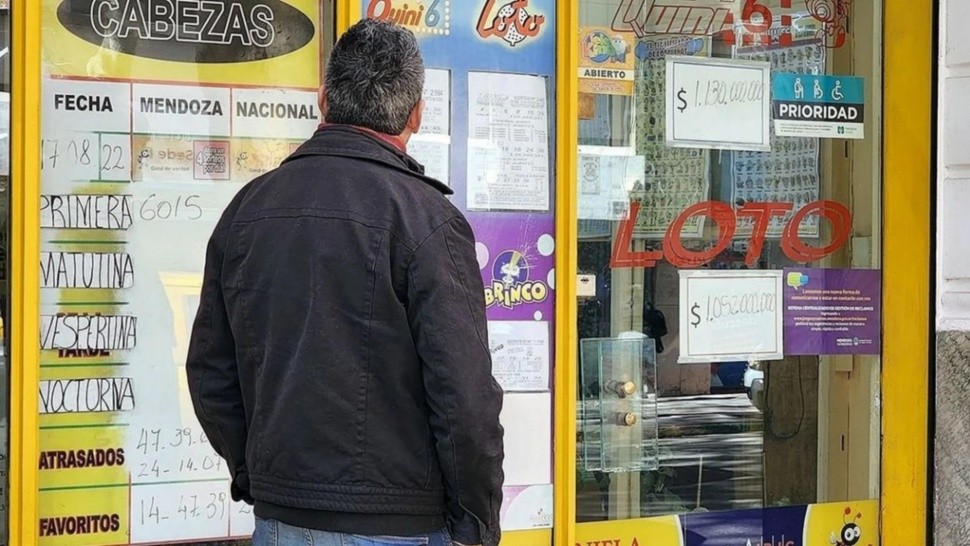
[718, 103]
[730, 316]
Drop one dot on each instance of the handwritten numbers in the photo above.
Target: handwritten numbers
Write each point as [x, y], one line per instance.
[149, 511]
[71, 157]
[49, 153]
[149, 440]
[115, 157]
[181, 207]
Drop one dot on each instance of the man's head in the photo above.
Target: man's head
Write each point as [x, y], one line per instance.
[374, 79]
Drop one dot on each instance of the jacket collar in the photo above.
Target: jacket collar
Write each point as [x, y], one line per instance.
[358, 143]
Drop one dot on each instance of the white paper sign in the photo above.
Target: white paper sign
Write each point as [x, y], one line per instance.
[431, 146]
[180, 110]
[86, 106]
[729, 316]
[605, 182]
[527, 420]
[508, 142]
[520, 354]
[433, 152]
[281, 113]
[718, 103]
[437, 102]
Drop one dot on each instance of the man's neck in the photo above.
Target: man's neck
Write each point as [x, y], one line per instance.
[396, 141]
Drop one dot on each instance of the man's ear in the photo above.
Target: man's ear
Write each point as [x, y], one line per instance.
[414, 120]
[322, 103]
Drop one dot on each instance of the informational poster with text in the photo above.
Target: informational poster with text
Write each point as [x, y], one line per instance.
[833, 311]
[151, 122]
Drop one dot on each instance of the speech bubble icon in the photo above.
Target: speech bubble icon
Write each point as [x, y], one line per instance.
[797, 280]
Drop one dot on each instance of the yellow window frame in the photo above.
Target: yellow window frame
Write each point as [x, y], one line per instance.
[907, 159]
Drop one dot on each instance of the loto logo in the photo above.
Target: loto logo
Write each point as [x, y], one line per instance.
[512, 22]
[511, 286]
[679, 255]
[421, 17]
[190, 31]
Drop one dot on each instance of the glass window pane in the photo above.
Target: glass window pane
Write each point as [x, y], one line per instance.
[754, 273]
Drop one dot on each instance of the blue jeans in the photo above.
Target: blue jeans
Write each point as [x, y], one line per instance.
[273, 533]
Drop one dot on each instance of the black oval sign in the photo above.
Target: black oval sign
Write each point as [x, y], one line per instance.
[190, 31]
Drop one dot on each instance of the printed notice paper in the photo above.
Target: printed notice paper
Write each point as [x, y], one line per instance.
[520, 354]
[605, 182]
[508, 142]
[832, 311]
[727, 316]
[436, 119]
[527, 420]
[432, 152]
[431, 146]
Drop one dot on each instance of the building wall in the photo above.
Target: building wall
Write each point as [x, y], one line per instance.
[952, 507]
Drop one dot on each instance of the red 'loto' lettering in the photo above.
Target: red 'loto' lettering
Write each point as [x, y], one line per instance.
[506, 19]
[791, 243]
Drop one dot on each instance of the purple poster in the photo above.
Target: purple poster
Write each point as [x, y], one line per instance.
[516, 253]
[768, 527]
[832, 311]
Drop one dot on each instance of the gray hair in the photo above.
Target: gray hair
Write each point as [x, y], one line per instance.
[374, 78]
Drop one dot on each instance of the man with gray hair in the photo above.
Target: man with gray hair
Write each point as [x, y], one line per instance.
[339, 360]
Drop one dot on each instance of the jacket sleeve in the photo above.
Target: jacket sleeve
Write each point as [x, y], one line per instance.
[211, 370]
[446, 310]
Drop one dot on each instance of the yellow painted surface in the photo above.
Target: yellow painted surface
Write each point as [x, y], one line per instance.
[566, 369]
[663, 531]
[61, 525]
[824, 521]
[539, 537]
[24, 271]
[907, 158]
[348, 13]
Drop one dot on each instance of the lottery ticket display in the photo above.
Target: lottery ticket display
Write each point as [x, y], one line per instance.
[149, 130]
[676, 178]
[790, 172]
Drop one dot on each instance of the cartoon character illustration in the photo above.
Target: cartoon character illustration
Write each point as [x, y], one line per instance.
[851, 533]
[511, 267]
[144, 156]
[510, 272]
[619, 49]
[834, 14]
[599, 47]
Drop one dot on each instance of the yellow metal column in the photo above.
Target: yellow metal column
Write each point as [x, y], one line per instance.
[567, 241]
[24, 326]
[907, 159]
[348, 13]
